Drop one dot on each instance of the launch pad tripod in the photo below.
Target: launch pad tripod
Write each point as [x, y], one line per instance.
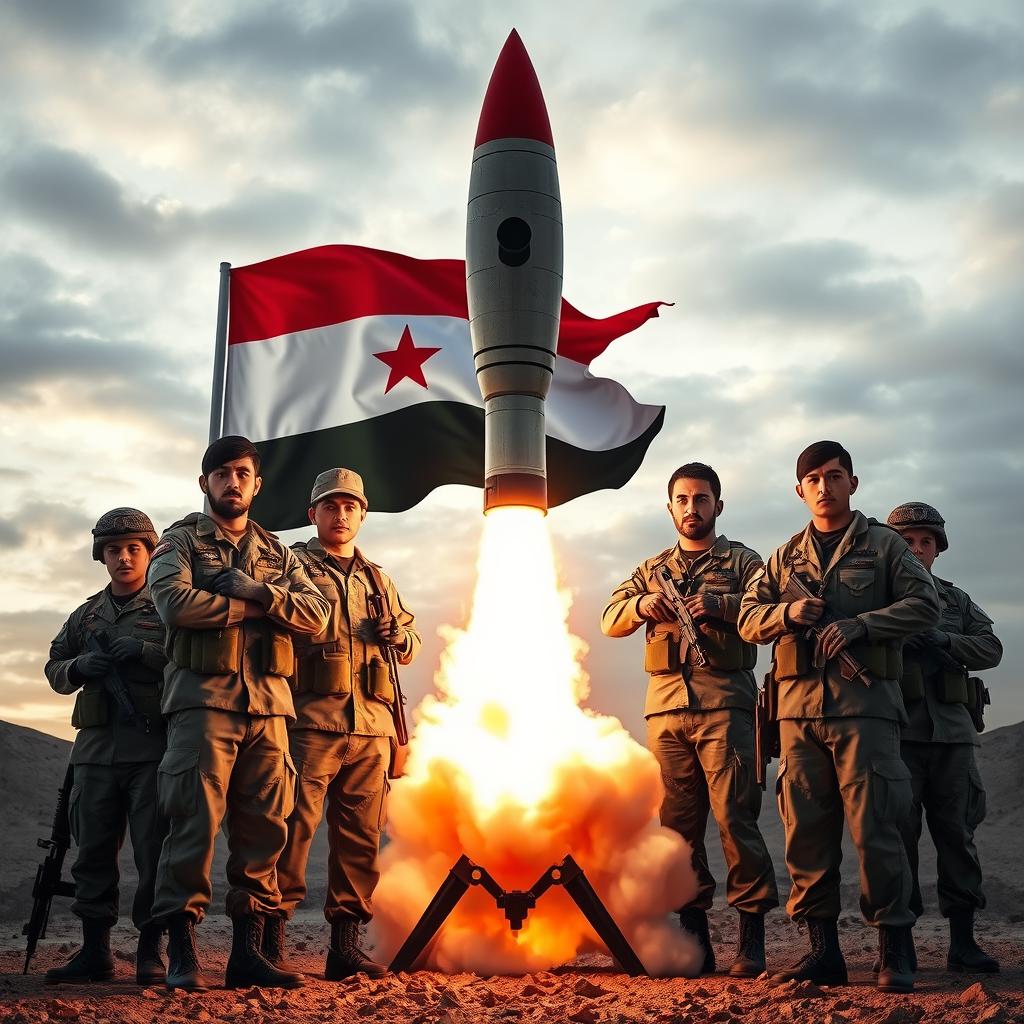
[517, 904]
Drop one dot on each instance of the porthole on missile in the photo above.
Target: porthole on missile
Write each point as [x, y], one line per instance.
[514, 236]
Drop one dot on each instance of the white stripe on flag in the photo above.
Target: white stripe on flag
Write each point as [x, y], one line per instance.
[328, 377]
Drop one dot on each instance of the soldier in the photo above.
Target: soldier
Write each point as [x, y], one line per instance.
[939, 740]
[231, 594]
[344, 733]
[115, 756]
[700, 719]
[840, 736]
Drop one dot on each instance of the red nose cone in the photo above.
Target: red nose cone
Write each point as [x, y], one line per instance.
[514, 105]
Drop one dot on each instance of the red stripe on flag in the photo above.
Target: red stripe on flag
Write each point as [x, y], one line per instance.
[335, 283]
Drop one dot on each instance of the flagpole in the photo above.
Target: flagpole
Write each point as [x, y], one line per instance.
[220, 356]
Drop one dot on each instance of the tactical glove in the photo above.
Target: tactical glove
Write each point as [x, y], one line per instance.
[126, 648]
[389, 632]
[93, 664]
[837, 636]
[235, 583]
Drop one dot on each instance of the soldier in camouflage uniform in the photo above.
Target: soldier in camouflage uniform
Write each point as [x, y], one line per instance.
[840, 736]
[231, 595]
[344, 733]
[939, 739]
[114, 758]
[700, 720]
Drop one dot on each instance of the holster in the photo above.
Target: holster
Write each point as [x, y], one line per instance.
[978, 697]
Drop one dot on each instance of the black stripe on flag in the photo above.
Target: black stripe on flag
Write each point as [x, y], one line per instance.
[403, 455]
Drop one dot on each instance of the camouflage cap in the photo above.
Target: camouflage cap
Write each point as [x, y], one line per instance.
[338, 481]
[916, 515]
[122, 524]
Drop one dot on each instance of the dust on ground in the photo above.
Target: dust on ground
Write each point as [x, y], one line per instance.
[588, 991]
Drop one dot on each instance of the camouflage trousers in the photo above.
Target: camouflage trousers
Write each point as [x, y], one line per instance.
[707, 766]
[230, 767]
[948, 791]
[348, 774]
[833, 768]
[106, 801]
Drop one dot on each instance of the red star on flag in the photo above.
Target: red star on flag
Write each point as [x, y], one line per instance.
[406, 361]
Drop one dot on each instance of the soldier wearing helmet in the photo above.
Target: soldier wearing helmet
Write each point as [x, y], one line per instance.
[115, 756]
[939, 739]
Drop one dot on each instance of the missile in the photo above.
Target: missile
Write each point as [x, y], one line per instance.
[514, 277]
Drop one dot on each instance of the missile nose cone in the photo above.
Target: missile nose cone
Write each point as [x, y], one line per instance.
[514, 105]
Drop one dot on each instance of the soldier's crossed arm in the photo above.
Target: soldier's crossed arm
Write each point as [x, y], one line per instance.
[178, 603]
[762, 616]
[621, 616]
[295, 602]
[977, 647]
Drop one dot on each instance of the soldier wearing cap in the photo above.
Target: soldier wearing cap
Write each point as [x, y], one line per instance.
[231, 596]
[344, 733]
[939, 739]
[840, 735]
[700, 719]
[115, 756]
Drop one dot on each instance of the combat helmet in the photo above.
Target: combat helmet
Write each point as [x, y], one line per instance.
[916, 515]
[122, 524]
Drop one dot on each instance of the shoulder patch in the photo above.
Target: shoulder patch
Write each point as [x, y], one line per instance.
[162, 548]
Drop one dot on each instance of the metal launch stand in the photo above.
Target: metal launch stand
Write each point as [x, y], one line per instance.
[517, 904]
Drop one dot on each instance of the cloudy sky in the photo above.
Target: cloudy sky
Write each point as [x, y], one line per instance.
[832, 195]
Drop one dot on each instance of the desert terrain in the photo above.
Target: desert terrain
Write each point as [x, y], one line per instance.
[586, 991]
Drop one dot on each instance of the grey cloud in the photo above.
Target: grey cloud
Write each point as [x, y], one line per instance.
[729, 269]
[893, 102]
[76, 23]
[10, 534]
[48, 340]
[381, 45]
[72, 194]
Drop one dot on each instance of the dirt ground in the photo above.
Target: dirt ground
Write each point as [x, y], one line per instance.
[585, 992]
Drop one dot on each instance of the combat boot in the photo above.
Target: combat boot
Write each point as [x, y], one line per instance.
[695, 921]
[824, 964]
[749, 962]
[965, 955]
[183, 968]
[247, 965]
[877, 965]
[93, 962]
[896, 954]
[346, 955]
[149, 964]
[274, 940]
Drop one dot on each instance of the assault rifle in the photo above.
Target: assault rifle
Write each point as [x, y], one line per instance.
[687, 623]
[798, 589]
[116, 686]
[766, 729]
[48, 881]
[377, 606]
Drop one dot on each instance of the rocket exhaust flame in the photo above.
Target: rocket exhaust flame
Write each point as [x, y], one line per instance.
[507, 769]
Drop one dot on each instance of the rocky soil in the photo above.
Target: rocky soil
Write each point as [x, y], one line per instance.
[585, 992]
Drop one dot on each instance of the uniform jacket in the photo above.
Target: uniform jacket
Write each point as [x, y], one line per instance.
[971, 643]
[115, 742]
[725, 569]
[345, 640]
[874, 577]
[189, 556]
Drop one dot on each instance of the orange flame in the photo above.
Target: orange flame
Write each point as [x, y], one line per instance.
[506, 767]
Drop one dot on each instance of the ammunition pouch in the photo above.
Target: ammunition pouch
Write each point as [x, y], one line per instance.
[792, 657]
[324, 672]
[727, 652]
[278, 652]
[92, 708]
[912, 682]
[881, 660]
[977, 698]
[379, 681]
[951, 687]
[661, 653]
[212, 652]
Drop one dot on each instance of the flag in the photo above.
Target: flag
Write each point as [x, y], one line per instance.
[347, 356]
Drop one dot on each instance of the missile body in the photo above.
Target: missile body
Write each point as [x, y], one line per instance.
[514, 277]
